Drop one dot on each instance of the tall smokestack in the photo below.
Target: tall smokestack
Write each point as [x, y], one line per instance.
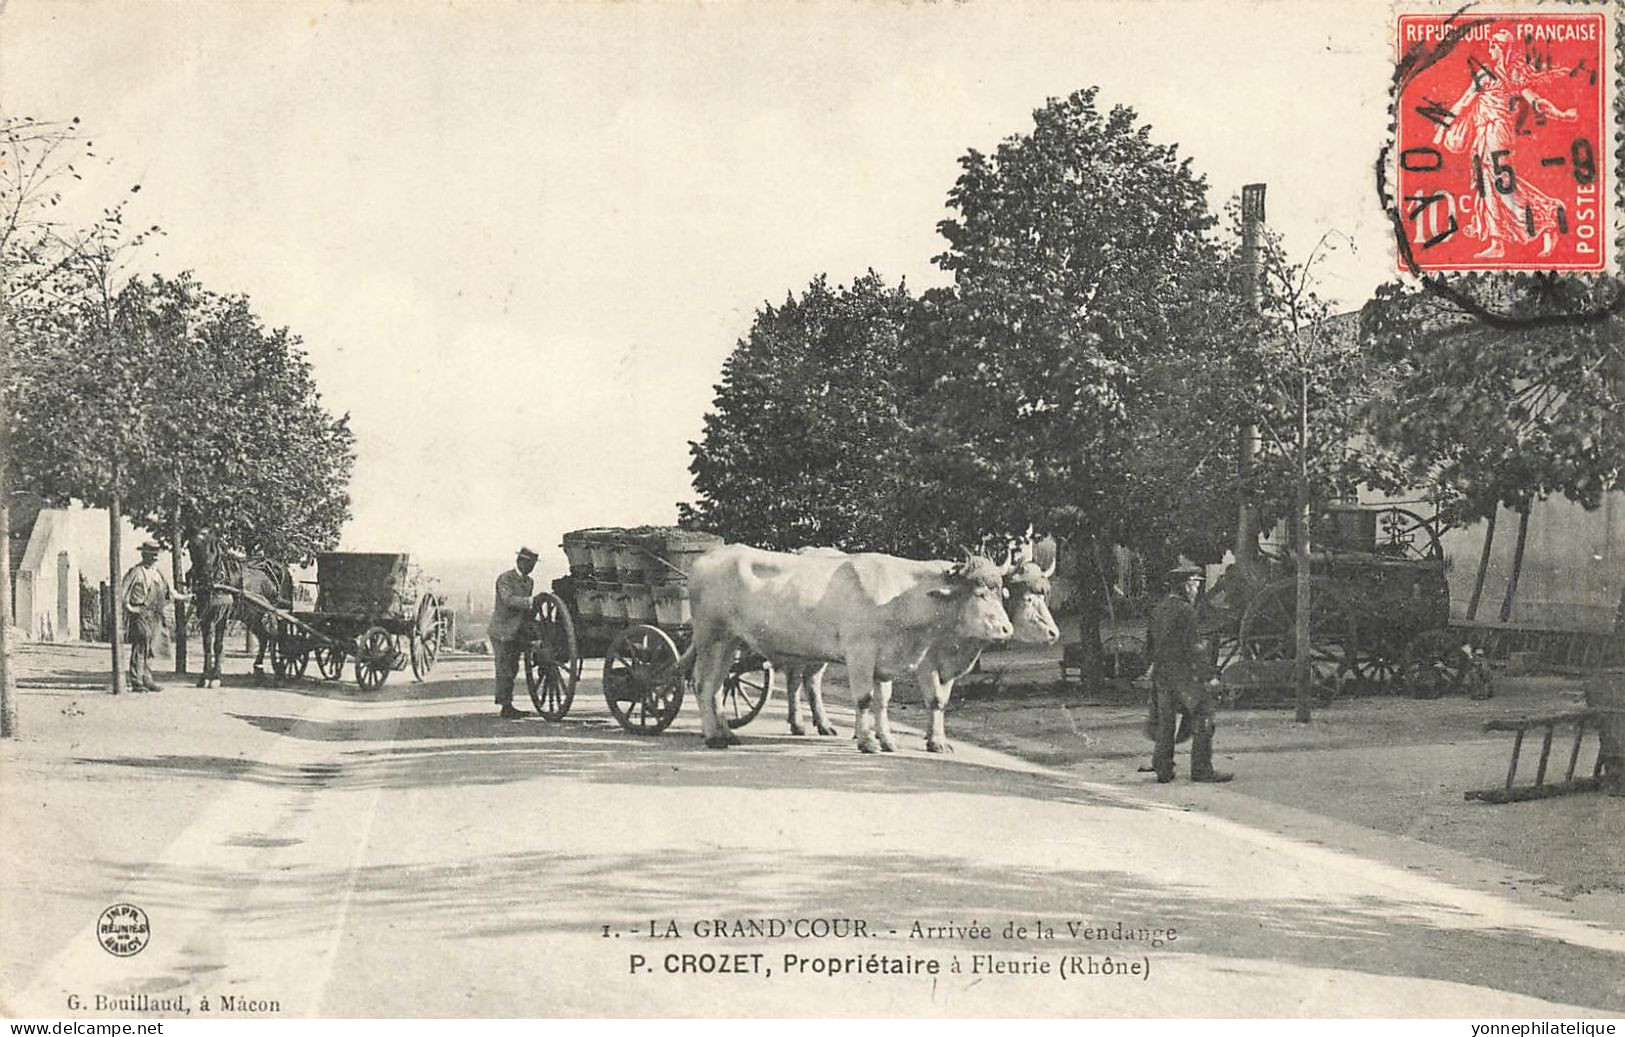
[1252, 247]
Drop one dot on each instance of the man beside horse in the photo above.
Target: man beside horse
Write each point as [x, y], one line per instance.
[142, 593]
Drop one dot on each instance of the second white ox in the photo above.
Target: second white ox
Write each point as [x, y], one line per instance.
[883, 617]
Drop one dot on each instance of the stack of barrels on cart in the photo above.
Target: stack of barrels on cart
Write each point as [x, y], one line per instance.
[627, 598]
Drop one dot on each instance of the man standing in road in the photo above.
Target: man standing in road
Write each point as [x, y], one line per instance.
[1179, 681]
[143, 593]
[506, 633]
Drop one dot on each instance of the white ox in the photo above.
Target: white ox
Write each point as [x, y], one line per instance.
[1026, 588]
[882, 617]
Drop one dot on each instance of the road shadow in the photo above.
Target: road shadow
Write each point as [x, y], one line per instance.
[496, 897]
[447, 751]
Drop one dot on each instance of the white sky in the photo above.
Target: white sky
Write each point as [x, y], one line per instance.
[519, 240]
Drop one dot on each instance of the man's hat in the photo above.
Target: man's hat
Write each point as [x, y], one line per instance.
[150, 548]
[525, 552]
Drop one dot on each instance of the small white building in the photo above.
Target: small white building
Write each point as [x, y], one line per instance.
[63, 545]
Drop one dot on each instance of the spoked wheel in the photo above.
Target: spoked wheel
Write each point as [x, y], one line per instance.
[299, 660]
[746, 689]
[425, 646]
[375, 657]
[1376, 666]
[643, 684]
[552, 661]
[282, 646]
[1436, 663]
[1405, 534]
[1269, 626]
[329, 662]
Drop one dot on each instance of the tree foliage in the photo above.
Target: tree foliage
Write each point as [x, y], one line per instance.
[1505, 411]
[802, 445]
[1084, 266]
[180, 400]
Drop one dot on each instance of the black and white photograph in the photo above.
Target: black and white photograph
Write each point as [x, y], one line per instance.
[812, 509]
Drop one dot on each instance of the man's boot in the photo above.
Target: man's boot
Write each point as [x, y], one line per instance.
[1202, 754]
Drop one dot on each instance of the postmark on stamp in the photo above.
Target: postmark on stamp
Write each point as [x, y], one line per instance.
[1503, 142]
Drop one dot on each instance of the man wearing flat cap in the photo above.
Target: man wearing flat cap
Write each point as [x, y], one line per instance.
[142, 594]
[1179, 679]
[508, 616]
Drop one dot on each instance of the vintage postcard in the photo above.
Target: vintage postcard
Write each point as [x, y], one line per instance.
[1048, 508]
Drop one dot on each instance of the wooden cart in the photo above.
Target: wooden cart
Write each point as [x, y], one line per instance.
[627, 596]
[366, 612]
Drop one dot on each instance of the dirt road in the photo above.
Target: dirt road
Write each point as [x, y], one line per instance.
[310, 851]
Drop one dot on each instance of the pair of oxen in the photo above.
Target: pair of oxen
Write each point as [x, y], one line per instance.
[884, 618]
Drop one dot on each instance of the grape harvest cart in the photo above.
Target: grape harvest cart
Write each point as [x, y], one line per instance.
[627, 597]
[367, 613]
[1380, 613]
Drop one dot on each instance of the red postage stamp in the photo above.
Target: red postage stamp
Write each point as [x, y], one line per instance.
[1503, 143]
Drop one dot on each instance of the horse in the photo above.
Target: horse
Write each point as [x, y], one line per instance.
[213, 567]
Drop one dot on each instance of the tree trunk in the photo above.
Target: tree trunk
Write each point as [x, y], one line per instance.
[1303, 647]
[1303, 664]
[8, 678]
[1483, 563]
[175, 539]
[113, 556]
[1092, 609]
[1517, 562]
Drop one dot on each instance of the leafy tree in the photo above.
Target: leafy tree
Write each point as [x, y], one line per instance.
[1504, 409]
[54, 273]
[1084, 269]
[804, 441]
[180, 402]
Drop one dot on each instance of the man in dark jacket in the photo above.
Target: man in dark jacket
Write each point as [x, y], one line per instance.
[1179, 679]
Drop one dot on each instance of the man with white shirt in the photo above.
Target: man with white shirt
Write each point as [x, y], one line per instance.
[506, 632]
[143, 593]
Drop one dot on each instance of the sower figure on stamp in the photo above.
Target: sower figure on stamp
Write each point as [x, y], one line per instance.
[1179, 680]
[143, 593]
[508, 617]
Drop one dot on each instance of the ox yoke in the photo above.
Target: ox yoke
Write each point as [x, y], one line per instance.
[808, 609]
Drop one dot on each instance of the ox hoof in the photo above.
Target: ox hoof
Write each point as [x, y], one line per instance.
[868, 746]
[202, 683]
[215, 683]
[887, 745]
[717, 743]
[828, 730]
[934, 746]
[798, 730]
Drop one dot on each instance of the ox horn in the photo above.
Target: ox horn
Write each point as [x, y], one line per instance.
[1054, 563]
[1007, 564]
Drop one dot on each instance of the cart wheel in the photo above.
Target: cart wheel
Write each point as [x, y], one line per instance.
[330, 662]
[1375, 666]
[552, 689]
[1268, 629]
[552, 623]
[1405, 534]
[1436, 663]
[299, 661]
[746, 689]
[642, 681]
[552, 660]
[425, 637]
[375, 657]
[281, 636]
